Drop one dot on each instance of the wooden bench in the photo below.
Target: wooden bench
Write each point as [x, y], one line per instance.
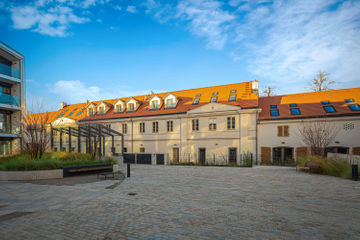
[87, 169]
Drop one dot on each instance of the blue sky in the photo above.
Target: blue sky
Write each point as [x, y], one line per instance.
[102, 49]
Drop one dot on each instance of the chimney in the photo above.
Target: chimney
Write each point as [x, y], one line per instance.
[62, 105]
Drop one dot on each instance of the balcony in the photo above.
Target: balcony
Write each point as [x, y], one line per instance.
[9, 100]
[9, 131]
[9, 71]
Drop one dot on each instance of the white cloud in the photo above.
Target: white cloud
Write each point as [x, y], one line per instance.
[76, 91]
[131, 9]
[117, 7]
[52, 21]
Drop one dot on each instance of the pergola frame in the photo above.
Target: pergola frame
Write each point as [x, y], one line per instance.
[95, 132]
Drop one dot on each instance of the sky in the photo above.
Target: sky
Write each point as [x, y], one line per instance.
[103, 49]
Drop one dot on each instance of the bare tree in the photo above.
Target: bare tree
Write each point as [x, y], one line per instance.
[317, 135]
[268, 91]
[321, 82]
[35, 127]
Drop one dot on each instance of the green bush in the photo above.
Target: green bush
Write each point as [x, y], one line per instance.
[53, 160]
[328, 166]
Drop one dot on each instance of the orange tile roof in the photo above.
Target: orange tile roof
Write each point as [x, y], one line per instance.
[246, 97]
[310, 104]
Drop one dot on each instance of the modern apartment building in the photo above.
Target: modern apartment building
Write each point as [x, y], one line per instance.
[12, 99]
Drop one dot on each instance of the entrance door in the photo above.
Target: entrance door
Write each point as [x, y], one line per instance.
[283, 156]
[202, 156]
[232, 155]
[175, 155]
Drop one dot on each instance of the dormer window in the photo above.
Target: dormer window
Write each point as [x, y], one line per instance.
[131, 107]
[154, 104]
[101, 110]
[91, 111]
[118, 108]
[170, 103]
[214, 97]
[196, 99]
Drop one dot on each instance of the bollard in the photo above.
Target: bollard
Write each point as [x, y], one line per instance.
[128, 170]
[355, 172]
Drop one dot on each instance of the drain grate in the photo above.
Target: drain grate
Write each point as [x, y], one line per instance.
[132, 194]
[13, 215]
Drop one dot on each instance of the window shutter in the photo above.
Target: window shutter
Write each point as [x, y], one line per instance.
[279, 131]
[286, 131]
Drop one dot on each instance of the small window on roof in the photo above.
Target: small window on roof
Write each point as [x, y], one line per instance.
[295, 111]
[329, 109]
[61, 114]
[72, 112]
[354, 107]
[293, 105]
[213, 99]
[198, 95]
[215, 93]
[196, 101]
[233, 91]
[325, 102]
[38, 125]
[232, 97]
[273, 106]
[349, 100]
[274, 113]
[79, 113]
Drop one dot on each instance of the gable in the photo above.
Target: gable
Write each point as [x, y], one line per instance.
[214, 107]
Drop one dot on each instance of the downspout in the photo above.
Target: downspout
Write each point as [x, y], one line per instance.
[132, 136]
[256, 138]
[239, 137]
[180, 141]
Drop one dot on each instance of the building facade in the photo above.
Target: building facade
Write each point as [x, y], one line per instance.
[12, 99]
[217, 125]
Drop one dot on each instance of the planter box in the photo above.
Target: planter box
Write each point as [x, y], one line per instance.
[30, 175]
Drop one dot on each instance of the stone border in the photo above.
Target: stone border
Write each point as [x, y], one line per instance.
[36, 175]
[30, 175]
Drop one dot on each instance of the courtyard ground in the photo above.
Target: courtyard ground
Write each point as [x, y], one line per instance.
[180, 202]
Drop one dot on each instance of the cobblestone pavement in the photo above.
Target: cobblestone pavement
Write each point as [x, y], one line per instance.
[179, 202]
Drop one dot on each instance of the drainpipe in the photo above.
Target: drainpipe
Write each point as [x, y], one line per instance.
[180, 141]
[239, 137]
[132, 136]
[256, 139]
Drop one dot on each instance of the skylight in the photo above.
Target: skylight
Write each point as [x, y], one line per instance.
[61, 114]
[233, 91]
[72, 112]
[349, 100]
[293, 105]
[232, 97]
[38, 125]
[273, 106]
[198, 95]
[354, 107]
[274, 113]
[196, 101]
[325, 102]
[329, 109]
[213, 99]
[295, 111]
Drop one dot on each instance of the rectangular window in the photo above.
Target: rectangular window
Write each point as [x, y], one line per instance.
[274, 113]
[213, 99]
[170, 126]
[232, 97]
[142, 150]
[124, 128]
[212, 124]
[142, 127]
[295, 111]
[108, 125]
[354, 107]
[293, 105]
[155, 127]
[170, 103]
[195, 124]
[325, 102]
[273, 106]
[118, 108]
[230, 123]
[329, 109]
[349, 100]
[91, 111]
[101, 110]
[283, 131]
[196, 101]
[154, 104]
[125, 149]
[131, 107]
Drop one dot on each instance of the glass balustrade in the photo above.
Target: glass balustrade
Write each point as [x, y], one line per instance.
[9, 71]
[8, 99]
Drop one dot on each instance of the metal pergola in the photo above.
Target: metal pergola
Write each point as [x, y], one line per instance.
[94, 136]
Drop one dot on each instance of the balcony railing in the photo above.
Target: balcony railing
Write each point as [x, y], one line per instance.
[9, 71]
[8, 99]
[9, 129]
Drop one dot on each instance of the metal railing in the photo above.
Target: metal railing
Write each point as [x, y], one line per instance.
[9, 71]
[10, 130]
